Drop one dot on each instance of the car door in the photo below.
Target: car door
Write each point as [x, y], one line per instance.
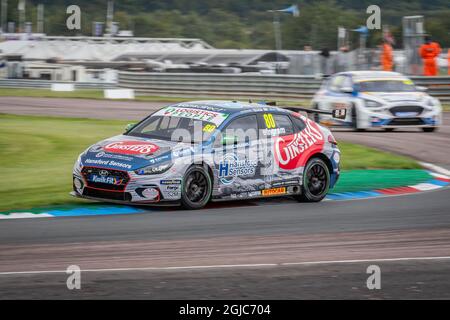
[277, 129]
[236, 158]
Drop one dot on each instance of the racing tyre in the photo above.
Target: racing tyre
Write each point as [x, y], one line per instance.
[388, 129]
[316, 181]
[429, 129]
[197, 188]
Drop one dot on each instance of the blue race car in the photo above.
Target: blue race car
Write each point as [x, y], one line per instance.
[194, 152]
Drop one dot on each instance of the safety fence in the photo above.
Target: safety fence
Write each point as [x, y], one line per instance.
[47, 84]
[253, 86]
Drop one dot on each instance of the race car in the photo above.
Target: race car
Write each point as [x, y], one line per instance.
[194, 152]
[377, 99]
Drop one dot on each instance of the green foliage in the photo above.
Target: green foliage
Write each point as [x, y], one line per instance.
[245, 24]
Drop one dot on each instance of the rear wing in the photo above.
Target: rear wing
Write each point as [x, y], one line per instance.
[339, 113]
[335, 113]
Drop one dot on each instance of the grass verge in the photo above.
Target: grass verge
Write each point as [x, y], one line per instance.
[37, 155]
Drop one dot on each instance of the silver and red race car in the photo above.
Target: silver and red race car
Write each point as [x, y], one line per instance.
[196, 152]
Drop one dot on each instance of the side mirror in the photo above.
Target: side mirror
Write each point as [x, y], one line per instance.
[129, 126]
[346, 90]
[421, 88]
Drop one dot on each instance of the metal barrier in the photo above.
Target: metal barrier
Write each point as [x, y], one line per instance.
[291, 87]
[254, 86]
[46, 84]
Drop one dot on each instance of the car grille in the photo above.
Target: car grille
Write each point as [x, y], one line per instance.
[108, 195]
[406, 122]
[417, 109]
[120, 176]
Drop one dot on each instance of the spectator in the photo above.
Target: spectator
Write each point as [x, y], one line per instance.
[386, 55]
[342, 59]
[325, 61]
[429, 52]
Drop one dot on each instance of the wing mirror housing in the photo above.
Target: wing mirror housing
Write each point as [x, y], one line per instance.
[347, 90]
[129, 126]
[421, 88]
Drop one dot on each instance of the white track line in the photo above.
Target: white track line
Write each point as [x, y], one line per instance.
[222, 266]
[435, 168]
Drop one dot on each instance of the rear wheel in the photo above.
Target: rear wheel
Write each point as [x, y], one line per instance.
[197, 187]
[316, 181]
[388, 129]
[429, 129]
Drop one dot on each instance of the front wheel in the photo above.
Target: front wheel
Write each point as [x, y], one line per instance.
[429, 129]
[316, 181]
[197, 188]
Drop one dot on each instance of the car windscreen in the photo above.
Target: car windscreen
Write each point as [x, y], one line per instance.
[173, 129]
[385, 86]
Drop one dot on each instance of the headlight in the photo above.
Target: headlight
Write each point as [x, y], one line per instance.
[372, 104]
[432, 102]
[154, 169]
[78, 164]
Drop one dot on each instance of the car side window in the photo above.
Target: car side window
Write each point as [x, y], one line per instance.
[240, 130]
[347, 82]
[276, 125]
[299, 124]
[284, 123]
[336, 83]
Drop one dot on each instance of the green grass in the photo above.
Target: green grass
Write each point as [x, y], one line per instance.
[37, 155]
[356, 156]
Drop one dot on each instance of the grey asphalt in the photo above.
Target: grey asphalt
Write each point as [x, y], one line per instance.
[276, 231]
[279, 232]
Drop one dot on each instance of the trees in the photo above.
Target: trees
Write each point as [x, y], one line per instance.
[245, 24]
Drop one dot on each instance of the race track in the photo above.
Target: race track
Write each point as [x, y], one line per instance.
[429, 147]
[279, 249]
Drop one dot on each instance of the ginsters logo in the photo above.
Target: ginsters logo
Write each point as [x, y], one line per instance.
[131, 147]
[292, 151]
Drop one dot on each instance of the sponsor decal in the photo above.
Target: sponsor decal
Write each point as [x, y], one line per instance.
[103, 154]
[294, 150]
[105, 179]
[252, 194]
[150, 193]
[173, 187]
[170, 181]
[406, 114]
[173, 194]
[131, 147]
[107, 163]
[232, 167]
[192, 113]
[273, 191]
[159, 159]
[274, 132]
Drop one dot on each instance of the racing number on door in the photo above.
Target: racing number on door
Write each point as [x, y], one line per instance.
[270, 122]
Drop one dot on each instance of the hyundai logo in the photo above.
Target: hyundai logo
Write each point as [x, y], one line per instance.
[104, 173]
